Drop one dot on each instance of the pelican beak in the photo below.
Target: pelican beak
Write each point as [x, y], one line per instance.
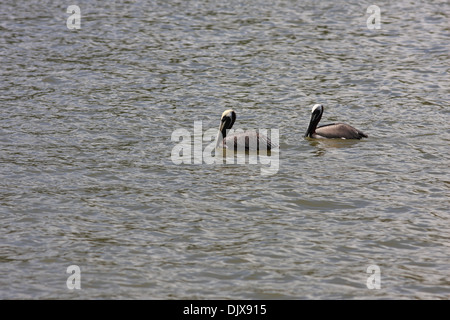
[316, 115]
[225, 124]
[310, 126]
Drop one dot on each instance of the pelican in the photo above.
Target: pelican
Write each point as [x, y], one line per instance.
[330, 131]
[252, 140]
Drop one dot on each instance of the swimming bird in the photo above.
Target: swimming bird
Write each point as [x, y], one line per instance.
[249, 140]
[330, 131]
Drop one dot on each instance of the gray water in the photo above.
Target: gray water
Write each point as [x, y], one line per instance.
[87, 177]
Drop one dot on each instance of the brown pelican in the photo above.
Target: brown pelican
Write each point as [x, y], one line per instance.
[330, 131]
[249, 140]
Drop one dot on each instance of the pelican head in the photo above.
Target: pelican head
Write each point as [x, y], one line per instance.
[316, 115]
[317, 108]
[226, 122]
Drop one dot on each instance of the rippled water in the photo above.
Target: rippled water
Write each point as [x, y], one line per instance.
[87, 176]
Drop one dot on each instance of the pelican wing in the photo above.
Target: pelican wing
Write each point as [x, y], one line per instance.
[248, 140]
[339, 130]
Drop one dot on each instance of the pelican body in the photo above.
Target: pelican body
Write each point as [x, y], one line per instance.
[330, 131]
[248, 140]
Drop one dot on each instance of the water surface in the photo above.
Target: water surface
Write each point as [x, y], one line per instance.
[87, 179]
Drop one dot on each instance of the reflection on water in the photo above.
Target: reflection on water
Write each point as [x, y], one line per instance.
[87, 177]
[321, 145]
